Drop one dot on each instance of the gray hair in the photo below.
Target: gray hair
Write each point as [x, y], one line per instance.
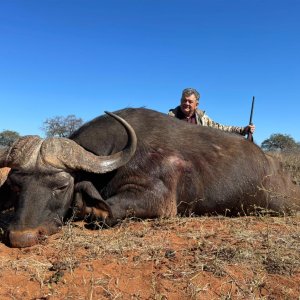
[189, 92]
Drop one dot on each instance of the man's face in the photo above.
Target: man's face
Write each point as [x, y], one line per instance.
[189, 105]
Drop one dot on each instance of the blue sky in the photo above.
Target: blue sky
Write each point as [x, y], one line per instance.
[81, 57]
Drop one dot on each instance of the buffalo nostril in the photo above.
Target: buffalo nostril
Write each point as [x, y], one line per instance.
[29, 237]
[22, 239]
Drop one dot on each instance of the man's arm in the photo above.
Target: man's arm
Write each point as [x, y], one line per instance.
[207, 121]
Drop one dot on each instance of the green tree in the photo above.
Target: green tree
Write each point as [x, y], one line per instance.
[280, 142]
[61, 126]
[7, 137]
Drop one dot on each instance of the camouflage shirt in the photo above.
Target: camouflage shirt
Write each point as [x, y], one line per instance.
[205, 120]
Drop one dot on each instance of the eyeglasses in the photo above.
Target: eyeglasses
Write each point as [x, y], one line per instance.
[189, 101]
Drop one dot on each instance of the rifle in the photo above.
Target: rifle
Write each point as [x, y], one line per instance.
[249, 134]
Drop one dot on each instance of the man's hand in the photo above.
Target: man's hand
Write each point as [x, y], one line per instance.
[251, 128]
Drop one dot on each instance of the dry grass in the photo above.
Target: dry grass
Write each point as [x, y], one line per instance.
[255, 257]
[291, 162]
[180, 258]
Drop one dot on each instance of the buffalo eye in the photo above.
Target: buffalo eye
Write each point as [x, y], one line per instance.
[60, 188]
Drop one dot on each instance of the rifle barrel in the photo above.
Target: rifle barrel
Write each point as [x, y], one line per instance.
[252, 108]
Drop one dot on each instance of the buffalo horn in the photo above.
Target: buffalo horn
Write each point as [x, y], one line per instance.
[22, 153]
[65, 153]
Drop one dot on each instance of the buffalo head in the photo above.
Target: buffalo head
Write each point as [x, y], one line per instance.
[42, 182]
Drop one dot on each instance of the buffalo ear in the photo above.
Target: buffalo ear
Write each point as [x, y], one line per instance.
[88, 201]
[3, 175]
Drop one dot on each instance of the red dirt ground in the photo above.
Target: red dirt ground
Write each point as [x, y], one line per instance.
[181, 258]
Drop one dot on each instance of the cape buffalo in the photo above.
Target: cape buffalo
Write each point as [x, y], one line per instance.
[137, 162]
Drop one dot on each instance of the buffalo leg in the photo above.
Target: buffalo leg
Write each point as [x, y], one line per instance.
[156, 201]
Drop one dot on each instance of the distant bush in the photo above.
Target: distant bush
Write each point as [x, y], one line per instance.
[280, 142]
[61, 126]
[7, 137]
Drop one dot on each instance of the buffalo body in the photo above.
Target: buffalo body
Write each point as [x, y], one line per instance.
[169, 167]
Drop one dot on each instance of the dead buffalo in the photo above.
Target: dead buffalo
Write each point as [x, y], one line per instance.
[137, 162]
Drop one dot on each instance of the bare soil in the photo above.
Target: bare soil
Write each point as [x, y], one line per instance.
[254, 257]
[180, 258]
